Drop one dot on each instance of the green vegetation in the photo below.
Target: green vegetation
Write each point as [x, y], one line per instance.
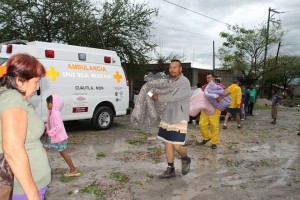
[137, 141]
[65, 179]
[100, 155]
[154, 149]
[237, 51]
[243, 186]
[264, 163]
[149, 176]
[94, 188]
[259, 107]
[118, 176]
[123, 26]
[155, 153]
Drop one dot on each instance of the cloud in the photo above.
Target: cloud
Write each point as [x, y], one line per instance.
[192, 34]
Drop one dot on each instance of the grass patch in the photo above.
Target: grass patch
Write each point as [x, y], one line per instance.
[149, 176]
[65, 179]
[95, 189]
[100, 155]
[144, 134]
[243, 186]
[260, 107]
[118, 176]
[155, 150]
[264, 163]
[155, 153]
[73, 192]
[138, 141]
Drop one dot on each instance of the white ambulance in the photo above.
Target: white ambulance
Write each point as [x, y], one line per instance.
[91, 81]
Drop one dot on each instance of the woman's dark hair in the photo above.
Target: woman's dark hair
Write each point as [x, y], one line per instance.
[49, 99]
[24, 67]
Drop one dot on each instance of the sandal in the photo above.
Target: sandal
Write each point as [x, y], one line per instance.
[224, 126]
[74, 174]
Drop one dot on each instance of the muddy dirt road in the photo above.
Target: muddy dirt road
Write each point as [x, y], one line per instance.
[260, 161]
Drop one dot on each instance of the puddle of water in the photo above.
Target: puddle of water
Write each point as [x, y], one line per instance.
[186, 193]
[275, 152]
[290, 152]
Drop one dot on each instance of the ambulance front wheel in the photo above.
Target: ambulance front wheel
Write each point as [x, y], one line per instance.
[103, 118]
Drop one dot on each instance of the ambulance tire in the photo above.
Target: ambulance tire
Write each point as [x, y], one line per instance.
[103, 118]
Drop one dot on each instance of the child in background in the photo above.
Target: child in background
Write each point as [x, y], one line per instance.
[275, 99]
[56, 134]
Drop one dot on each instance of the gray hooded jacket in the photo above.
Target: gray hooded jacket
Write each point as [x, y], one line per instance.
[178, 101]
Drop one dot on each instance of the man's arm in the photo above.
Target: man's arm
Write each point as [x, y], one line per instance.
[226, 93]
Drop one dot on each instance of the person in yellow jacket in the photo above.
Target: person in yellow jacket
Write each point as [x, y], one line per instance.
[235, 92]
[211, 134]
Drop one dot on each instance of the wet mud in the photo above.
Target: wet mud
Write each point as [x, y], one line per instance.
[259, 161]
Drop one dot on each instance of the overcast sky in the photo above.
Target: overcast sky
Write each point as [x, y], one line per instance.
[184, 32]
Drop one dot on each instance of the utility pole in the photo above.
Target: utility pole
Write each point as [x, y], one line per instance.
[276, 59]
[214, 57]
[267, 39]
[279, 44]
[266, 45]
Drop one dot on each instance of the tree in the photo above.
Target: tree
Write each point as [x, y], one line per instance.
[160, 59]
[288, 68]
[285, 70]
[48, 20]
[244, 48]
[126, 28]
[118, 25]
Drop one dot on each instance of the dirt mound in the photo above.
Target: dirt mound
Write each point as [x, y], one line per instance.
[263, 102]
[266, 102]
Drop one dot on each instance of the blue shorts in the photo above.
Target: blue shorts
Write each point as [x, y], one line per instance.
[60, 146]
[174, 137]
[233, 110]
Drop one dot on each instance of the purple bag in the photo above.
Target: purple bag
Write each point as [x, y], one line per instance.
[212, 92]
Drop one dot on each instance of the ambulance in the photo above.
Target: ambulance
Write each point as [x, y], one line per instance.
[91, 81]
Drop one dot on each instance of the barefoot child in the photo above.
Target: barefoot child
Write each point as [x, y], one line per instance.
[56, 134]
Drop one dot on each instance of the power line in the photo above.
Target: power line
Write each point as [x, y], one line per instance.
[174, 28]
[196, 12]
[288, 53]
[290, 50]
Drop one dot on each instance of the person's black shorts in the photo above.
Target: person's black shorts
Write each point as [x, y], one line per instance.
[233, 110]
